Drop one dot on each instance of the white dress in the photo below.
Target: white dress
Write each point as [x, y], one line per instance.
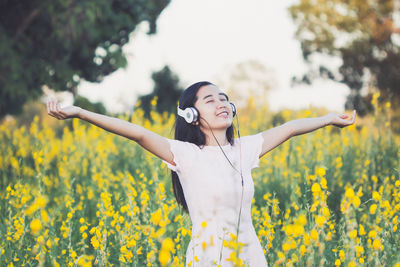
[213, 190]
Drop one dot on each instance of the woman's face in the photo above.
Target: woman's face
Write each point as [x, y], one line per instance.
[214, 107]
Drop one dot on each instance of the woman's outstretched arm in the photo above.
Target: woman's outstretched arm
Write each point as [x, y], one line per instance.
[306, 125]
[277, 135]
[154, 143]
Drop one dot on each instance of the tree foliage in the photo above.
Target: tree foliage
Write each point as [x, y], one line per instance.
[167, 91]
[57, 43]
[362, 34]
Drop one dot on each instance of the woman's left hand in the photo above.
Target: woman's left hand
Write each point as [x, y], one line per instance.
[338, 119]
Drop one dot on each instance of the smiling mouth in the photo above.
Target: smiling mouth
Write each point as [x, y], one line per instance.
[224, 114]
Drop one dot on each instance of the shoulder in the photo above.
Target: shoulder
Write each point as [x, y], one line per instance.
[182, 144]
[254, 139]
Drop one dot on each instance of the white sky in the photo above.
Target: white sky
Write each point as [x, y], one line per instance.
[200, 40]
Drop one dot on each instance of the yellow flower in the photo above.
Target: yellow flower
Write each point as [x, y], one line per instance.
[302, 220]
[184, 231]
[167, 244]
[372, 234]
[376, 196]
[321, 172]
[359, 250]
[204, 224]
[286, 247]
[40, 240]
[337, 262]
[376, 244]
[341, 255]
[95, 243]
[315, 188]
[156, 217]
[356, 201]
[349, 193]
[73, 254]
[164, 257]
[302, 250]
[314, 234]
[323, 183]
[362, 230]
[372, 209]
[36, 226]
[326, 212]
[353, 234]
[41, 201]
[44, 215]
[320, 220]
[131, 243]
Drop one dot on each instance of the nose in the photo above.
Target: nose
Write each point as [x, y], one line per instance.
[223, 105]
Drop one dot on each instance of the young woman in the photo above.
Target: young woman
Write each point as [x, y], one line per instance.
[211, 170]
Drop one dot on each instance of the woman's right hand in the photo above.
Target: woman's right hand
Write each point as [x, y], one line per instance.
[54, 109]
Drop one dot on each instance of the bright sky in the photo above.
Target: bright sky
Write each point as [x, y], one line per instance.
[200, 40]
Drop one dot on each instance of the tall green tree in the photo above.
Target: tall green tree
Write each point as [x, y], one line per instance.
[166, 89]
[57, 43]
[363, 35]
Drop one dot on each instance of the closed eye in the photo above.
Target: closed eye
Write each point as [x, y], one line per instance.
[212, 100]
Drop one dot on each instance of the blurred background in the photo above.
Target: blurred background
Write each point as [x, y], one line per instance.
[107, 55]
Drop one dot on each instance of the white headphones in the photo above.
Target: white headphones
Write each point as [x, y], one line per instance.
[191, 114]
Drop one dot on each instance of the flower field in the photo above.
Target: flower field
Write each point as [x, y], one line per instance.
[85, 197]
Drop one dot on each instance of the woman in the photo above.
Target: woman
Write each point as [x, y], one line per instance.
[211, 170]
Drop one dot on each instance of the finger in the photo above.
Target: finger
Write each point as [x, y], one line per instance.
[53, 114]
[62, 114]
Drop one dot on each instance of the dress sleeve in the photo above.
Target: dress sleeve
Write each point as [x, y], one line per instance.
[178, 149]
[252, 145]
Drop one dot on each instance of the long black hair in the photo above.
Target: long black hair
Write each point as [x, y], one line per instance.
[191, 133]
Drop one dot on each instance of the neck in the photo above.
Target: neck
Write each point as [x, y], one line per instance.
[220, 135]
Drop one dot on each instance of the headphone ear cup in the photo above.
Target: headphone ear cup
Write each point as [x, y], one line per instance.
[190, 114]
[233, 109]
[196, 114]
[186, 114]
